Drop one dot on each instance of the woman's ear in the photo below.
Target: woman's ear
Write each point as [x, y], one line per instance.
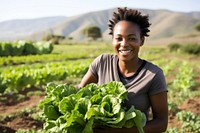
[142, 41]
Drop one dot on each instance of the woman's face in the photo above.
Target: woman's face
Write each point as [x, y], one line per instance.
[127, 40]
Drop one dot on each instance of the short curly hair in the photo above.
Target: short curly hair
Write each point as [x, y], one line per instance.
[131, 15]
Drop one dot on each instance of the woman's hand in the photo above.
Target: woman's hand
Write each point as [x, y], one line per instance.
[101, 129]
[106, 130]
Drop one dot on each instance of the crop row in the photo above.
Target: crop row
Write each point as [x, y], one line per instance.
[17, 60]
[24, 48]
[60, 53]
[182, 86]
[190, 123]
[15, 79]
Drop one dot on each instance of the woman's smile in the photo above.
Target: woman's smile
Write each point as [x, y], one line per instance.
[125, 52]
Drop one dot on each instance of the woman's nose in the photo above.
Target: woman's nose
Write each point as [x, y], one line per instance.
[124, 42]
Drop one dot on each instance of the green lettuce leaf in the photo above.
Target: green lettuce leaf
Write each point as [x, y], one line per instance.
[50, 112]
[114, 88]
[89, 126]
[76, 117]
[67, 104]
[136, 118]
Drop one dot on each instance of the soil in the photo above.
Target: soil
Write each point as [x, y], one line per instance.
[25, 122]
[7, 108]
[20, 121]
[192, 104]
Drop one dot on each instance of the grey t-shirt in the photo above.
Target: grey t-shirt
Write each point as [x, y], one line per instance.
[149, 81]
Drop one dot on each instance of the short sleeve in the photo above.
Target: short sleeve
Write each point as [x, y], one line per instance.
[94, 66]
[158, 83]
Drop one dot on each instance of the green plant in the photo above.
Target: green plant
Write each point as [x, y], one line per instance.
[34, 93]
[184, 81]
[191, 122]
[20, 97]
[92, 31]
[69, 110]
[174, 47]
[173, 108]
[30, 131]
[19, 48]
[193, 48]
[197, 27]
[16, 79]
[174, 130]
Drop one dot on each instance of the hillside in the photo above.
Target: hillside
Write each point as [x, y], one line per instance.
[16, 29]
[165, 24]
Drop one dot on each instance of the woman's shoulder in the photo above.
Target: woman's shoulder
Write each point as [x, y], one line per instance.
[106, 56]
[152, 67]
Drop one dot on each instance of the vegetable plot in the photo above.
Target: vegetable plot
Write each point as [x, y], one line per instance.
[78, 111]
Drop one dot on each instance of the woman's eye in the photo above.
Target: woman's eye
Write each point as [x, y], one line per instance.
[118, 39]
[132, 39]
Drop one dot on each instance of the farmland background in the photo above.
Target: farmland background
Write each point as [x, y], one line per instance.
[19, 109]
[173, 46]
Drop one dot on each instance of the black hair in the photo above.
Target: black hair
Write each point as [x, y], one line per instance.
[131, 15]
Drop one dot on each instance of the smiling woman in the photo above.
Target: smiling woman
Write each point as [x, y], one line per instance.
[127, 41]
[144, 81]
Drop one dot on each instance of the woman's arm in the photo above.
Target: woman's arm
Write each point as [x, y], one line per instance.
[88, 78]
[157, 125]
[159, 106]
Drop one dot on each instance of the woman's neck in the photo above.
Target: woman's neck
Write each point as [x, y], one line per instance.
[130, 67]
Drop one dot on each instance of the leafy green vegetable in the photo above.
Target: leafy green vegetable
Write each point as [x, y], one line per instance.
[51, 112]
[67, 104]
[72, 111]
[137, 116]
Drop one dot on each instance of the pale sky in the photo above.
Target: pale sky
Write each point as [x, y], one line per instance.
[29, 9]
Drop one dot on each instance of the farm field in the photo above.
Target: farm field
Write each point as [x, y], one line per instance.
[24, 78]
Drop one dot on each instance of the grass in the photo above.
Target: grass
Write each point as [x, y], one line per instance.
[92, 48]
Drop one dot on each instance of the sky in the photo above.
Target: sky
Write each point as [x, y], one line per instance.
[30, 9]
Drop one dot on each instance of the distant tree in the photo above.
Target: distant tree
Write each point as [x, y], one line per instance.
[47, 38]
[70, 38]
[55, 39]
[93, 32]
[197, 27]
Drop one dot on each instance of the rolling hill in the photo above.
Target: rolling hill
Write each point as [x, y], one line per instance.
[165, 24]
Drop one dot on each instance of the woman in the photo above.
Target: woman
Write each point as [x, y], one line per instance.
[144, 81]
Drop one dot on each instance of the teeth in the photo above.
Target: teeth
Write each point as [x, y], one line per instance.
[124, 52]
[121, 49]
